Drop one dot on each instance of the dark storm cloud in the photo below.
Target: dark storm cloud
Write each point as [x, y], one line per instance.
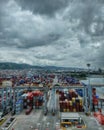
[90, 14]
[46, 7]
[46, 40]
[84, 41]
[96, 55]
[52, 57]
[101, 56]
[25, 33]
[16, 40]
[76, 55]
[92, 20]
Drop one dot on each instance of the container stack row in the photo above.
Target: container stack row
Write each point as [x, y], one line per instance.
[70, 102]
[95, 100]
[37, 99]
[32, 100]
[80, 92]
[94, 97]
[19, 106]
[29, 103]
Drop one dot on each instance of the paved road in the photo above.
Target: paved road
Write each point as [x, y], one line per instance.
[55, 81]
[47, 122]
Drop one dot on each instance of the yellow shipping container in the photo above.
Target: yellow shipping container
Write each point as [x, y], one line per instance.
[70, 103]
[67, 110]
[73, 99]
[64, 110]
[74, 110]
[80, 99]
[81, 103]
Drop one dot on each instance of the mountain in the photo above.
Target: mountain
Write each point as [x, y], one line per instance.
[9, 65]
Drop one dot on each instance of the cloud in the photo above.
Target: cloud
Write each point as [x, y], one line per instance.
[46, 7]
[61, 33]
[90, 14]
[24, 30]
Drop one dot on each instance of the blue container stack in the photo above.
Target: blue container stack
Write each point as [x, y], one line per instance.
[40, 98]
[80, 92]
[19, 106]
[19, 94]
[97, 96]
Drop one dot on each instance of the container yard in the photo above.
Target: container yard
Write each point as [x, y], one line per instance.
[44, 101]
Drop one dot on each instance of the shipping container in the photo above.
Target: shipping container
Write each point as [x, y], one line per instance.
[28, 111]
[72, 104]
[19, 106]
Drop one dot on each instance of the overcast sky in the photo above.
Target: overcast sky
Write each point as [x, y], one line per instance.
[52, 32]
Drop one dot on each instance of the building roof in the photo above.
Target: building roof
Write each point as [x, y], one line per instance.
[69, 115]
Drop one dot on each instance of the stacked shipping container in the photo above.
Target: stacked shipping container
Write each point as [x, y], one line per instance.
[38, 99]
[94, 97]
[32, 100]
[70, 102]
[19, 106]
[29, 100]
[29, 103]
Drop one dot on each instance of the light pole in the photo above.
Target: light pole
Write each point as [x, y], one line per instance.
[89, 87]
[88, 65]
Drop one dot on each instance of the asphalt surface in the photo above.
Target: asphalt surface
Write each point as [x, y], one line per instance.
[37, 120]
